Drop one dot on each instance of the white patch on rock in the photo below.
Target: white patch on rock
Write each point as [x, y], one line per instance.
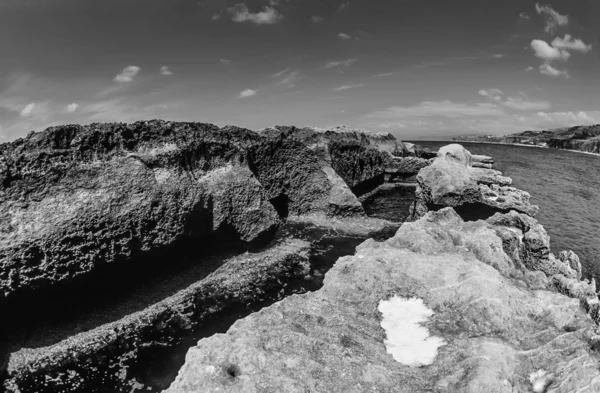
[540, 380]
[407, 340]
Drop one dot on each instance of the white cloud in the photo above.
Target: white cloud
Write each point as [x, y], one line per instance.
[289, 76]
[28, 110]
[446, 109]
[547, 69]
[280, 73]
[571, 44]
[247, 93]
[530, 68]
[346, 87]
[547, 52]
[385, 74]
[498, 56]
[127, 74]
[225, 61]
[317, 19]
[342, 63]
[216, 16]
[343, 6]
[568, 119]
[343, 36]
[494, 94]
[164, 70]
[524, 15]
[268, 16]
[72, 107]
[523, 104]
[553, 18]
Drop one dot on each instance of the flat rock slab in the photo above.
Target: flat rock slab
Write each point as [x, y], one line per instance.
[498, 332]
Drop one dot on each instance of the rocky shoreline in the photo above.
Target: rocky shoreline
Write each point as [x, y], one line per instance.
[79, 204]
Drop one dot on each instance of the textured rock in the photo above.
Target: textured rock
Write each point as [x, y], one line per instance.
[74, 198]
[497, 332]
[404, 167]
[102, 356]
[480, 161]
[451, 181]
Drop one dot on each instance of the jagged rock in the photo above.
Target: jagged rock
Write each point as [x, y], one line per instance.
[104, 356]
[574, 287]
[572, 260]
[451, 181]
[405, 167]
[74, 198]
[497, 334]
[479, 161]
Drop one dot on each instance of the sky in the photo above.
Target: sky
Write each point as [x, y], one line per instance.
[420, 69]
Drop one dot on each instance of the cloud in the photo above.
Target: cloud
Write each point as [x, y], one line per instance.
[547, 52]
[72, 107]
[225, 61]
[343, 36]
[493, 94]
[385, 74]
[127, 74]
[498, 55]
[247, 93]
[530, 68]
[444, 109]
[343, 6]
[289, 76]
[346, 87]
[28, 110]
[524, 15]
[523, 104]
[317, 19]
[164, 70]
[547, 69]
[216, 16]
[571, 44]
[268, 16]
[568, 119]
[553, 18]
[342, 63]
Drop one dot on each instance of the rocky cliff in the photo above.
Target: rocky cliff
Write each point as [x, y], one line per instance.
[74, 198]
[506, 315]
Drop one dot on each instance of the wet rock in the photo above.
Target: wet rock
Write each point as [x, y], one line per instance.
[497, 333]
[108, 355]
[451, 181]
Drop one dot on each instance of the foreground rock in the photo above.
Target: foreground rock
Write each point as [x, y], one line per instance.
[105, 356]
[73, 198]
[505, 328]
[451, 181]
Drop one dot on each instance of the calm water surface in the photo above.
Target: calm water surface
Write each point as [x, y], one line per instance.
[566, 187]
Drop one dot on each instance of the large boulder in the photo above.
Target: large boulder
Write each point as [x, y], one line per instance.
[487, 321]
[451, 181]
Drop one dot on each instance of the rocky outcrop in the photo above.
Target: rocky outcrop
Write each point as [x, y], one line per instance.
[451, 181]
[108, 356]
[503, 327]
[480, 161]
[404, 168]
[75, 198]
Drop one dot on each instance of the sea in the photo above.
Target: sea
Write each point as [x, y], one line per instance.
[566, 187]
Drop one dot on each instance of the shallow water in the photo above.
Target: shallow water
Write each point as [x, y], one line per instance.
[566, 187]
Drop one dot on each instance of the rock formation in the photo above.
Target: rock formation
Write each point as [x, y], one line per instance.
[101, 356]
[452, 181]
[74, 198]
[503, 325]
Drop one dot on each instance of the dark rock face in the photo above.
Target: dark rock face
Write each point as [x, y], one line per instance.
[104, 359]
[487, 311]
[451, 181]
[403, 168]
[73, 198]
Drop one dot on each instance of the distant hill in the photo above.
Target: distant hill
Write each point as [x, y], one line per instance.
[582, 138]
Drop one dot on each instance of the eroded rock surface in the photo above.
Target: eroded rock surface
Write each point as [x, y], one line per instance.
[75, 198]
[102, 359]
[504, 329]
[452, 181]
